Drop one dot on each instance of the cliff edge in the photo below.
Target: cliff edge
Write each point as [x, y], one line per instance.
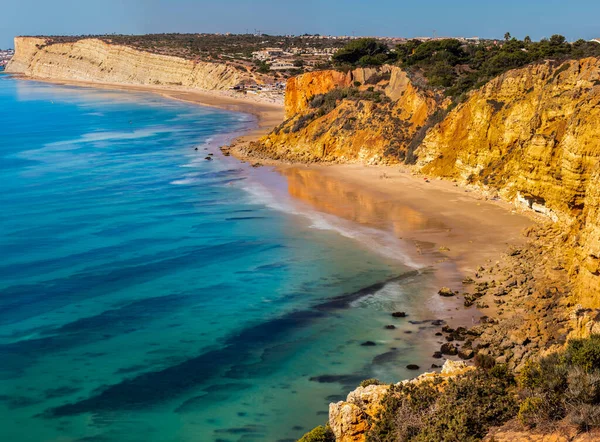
[94, 60]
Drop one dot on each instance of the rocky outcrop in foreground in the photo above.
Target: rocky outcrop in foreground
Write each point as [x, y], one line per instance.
[94, 60]
[350, 420]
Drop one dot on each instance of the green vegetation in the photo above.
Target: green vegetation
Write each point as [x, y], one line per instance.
[458, 67]
[363, 52]
[371, 381]
[564, 385]
[462, 410]
[206, 46]
[319, 434]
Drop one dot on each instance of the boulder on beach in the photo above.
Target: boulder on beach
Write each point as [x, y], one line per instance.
[449, 349]
[446, 292]
[399, 314]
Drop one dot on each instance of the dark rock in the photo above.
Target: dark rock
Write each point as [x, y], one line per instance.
[435, 366]
[438, 322]
[439, 334]
[399, 314]
[450, 338]
[446, 292]
[208, 158]
[449, 349]
[368, 344]
[437, 355]
[390, 327]
[466, 354]
[196, 149]
[468, 280]
[412, 367]
[447, 329]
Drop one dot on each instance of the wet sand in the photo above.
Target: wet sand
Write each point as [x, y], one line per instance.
[440, 222]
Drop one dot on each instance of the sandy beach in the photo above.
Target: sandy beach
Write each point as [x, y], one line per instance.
[442, 220]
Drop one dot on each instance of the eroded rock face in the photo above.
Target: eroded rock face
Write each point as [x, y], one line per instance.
[349, 420]
[532, 133]
[94, 60]
[356, 130]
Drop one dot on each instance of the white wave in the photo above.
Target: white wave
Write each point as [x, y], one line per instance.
[184, 181]
[385, 298]
[92, 137]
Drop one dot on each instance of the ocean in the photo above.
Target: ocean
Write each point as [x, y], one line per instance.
[149, 294]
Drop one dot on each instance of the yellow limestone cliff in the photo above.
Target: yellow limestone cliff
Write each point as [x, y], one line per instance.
[533, 134]
[361, 116]
[97, 61]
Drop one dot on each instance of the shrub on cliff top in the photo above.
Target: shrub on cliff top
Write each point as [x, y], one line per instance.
[363, 52]
[461, 410]
[563, 385]
[368, 382]
[319, 434]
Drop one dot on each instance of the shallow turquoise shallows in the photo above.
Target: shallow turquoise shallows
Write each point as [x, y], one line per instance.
[149, 294]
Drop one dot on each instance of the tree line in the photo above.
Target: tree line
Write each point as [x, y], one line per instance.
[458, 67]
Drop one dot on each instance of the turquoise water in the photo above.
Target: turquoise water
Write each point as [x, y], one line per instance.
[147, 294]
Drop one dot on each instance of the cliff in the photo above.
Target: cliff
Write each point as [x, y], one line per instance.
[366, 115]
[530, 134]
[533, 135]
[97, 61]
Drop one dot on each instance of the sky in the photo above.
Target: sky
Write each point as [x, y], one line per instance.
[489, 19]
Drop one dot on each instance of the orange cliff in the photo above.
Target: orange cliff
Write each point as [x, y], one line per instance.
[533, 134]
[374, 120]
[530, 134]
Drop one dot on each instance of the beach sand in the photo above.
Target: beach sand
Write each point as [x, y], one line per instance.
[442, 221]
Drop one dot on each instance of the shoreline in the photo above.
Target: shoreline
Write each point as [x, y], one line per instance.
[268, 113]
[443, 225]
[450, 227]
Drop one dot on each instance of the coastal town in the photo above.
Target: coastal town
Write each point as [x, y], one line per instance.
[5, 56]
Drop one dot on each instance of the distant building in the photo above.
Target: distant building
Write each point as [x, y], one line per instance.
[267, 54]
[280, 65]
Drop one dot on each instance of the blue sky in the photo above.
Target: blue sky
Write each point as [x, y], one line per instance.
[537, 18]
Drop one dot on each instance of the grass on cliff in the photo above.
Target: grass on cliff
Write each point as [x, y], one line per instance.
[561, 388]
[462, 410]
